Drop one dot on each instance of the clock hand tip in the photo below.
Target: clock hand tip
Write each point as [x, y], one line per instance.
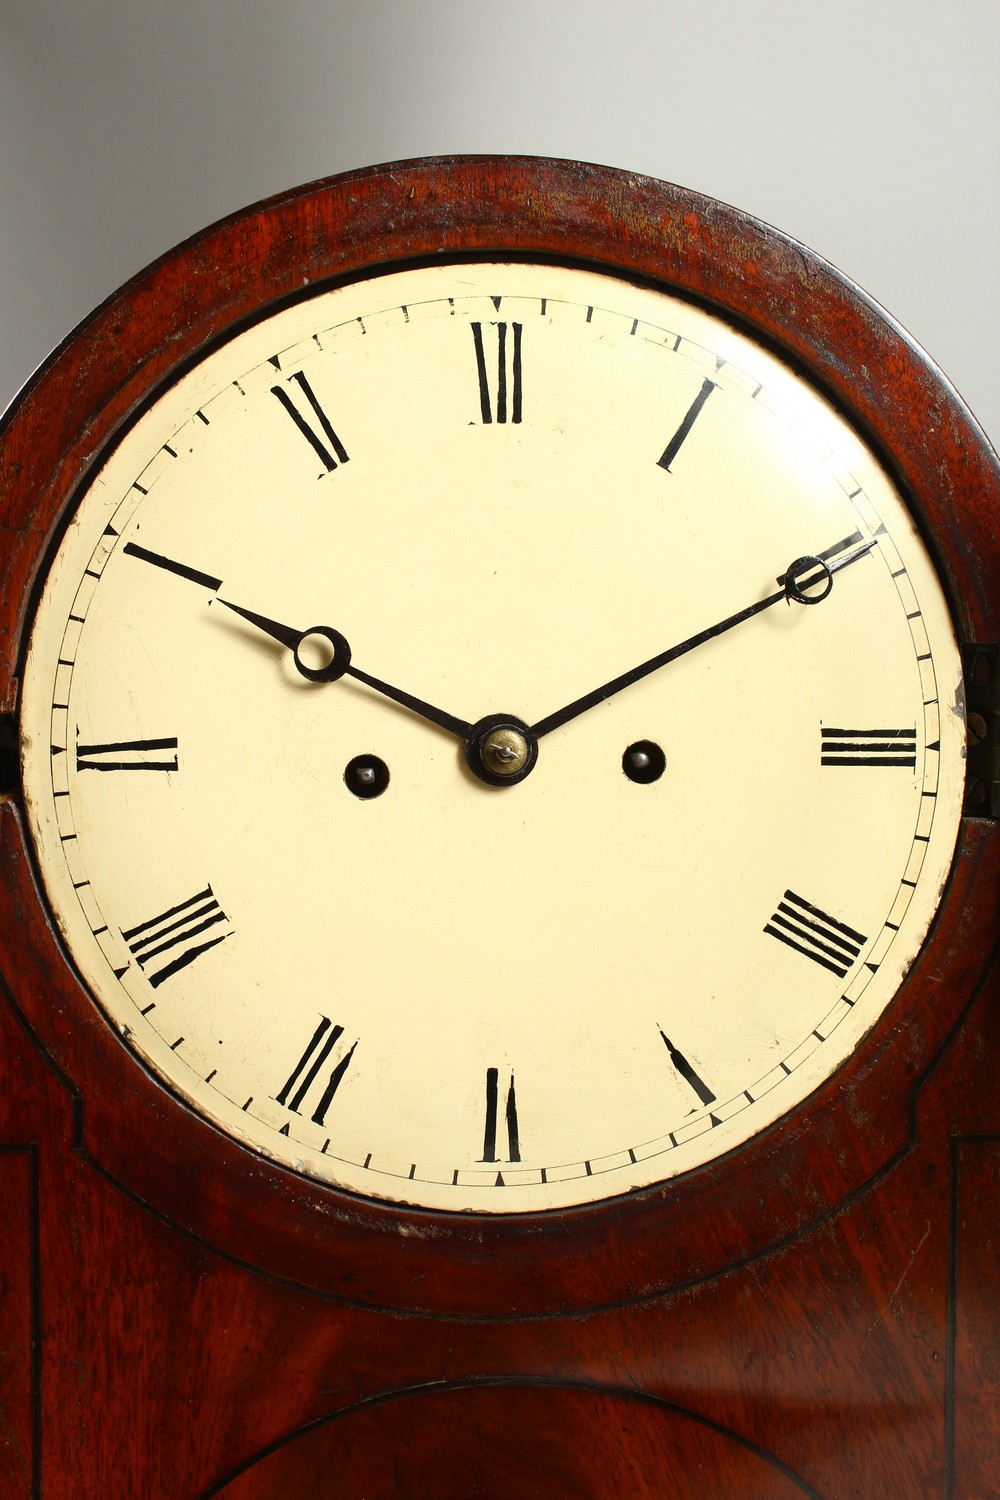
[851, 557]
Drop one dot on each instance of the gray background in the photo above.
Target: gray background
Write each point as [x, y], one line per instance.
[870, 129]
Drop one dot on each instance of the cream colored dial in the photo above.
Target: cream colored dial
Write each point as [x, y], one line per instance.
[710, 684]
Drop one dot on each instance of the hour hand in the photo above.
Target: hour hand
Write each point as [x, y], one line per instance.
[325, 642]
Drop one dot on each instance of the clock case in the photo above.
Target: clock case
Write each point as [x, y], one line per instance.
[861, 1226]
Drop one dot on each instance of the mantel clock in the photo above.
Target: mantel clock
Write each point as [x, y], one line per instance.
[500, 864]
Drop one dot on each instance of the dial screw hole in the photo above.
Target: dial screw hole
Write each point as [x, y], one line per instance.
[644, 762]
[366, 776]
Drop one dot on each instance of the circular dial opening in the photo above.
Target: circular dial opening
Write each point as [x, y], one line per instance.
[539, 515]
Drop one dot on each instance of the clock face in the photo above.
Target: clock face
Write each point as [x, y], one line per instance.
[493, 737]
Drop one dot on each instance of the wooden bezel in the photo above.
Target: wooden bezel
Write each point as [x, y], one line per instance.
[861, 1120]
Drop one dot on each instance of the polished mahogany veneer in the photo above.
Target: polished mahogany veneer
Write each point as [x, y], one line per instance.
[809, 1315]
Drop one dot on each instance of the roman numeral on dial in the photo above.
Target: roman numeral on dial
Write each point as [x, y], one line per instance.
[302, 1077]
[508, 381]
[312, 421]
[672, 449]
[157, 560]
[813, 932]
[127, 755]
[168, 943]
[510, 1117]
[687, 1072]
[868, 747]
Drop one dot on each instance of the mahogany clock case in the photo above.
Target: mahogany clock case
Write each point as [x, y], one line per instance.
[97, 383]
[925, 1076]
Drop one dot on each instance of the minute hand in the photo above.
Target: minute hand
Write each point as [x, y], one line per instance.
[793, 588]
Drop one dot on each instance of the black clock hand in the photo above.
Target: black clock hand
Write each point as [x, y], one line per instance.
[804, 575]
[340, 665]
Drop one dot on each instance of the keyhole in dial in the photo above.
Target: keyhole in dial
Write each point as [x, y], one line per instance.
[366, 776]
[644, 762]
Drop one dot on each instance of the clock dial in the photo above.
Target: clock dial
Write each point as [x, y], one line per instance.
[549, 728]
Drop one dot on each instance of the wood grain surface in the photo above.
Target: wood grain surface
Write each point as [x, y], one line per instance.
[812, 1315]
